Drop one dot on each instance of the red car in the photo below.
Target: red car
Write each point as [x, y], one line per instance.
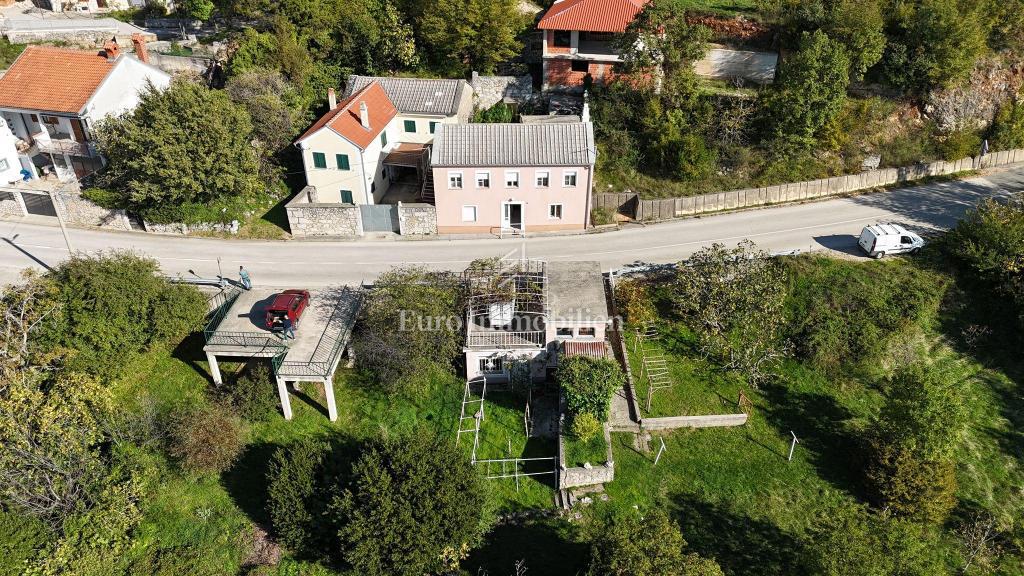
[290, 303]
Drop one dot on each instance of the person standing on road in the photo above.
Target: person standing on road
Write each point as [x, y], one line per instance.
[243, 274]
[289, 328]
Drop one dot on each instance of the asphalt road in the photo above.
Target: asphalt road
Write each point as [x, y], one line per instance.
[820, 226]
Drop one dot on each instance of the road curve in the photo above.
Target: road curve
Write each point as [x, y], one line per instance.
[830, 225]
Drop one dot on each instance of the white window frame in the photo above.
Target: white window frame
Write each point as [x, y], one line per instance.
[575, 178]
[508, 178]
[552, 210]
[580, 334]
[483, 176]
[492, 365]
[474, 208]
[451, 179]
[546, 175]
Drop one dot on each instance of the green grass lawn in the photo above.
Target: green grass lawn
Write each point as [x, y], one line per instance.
[577, 452]
[724, 7]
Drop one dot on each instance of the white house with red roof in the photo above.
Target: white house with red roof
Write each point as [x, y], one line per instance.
[52, 98]
[578, 37]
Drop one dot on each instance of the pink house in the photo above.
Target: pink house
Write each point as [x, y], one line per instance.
[493, 178]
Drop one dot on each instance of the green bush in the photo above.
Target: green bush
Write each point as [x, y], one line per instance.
[910, 486]
[960, 144]
[102, 197]
[496, 114]
[419, 491]
[1008, 127]
[843, 314]
[178, 310]
[628, 544]
[585, 426]
[21, 538]
[252, 394]
[302, 479]
[588, 384]
[207, 439]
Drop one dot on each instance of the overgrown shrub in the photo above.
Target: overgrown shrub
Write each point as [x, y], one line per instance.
[207, 439]
[588, 384]
[253, 392]
[628, 544]
[633, 301]
[178, 310]
[843, 314]
[416, 505]
[496, 114]
[585, 426]
[960, 144]
[1008, 127]
[910, 486]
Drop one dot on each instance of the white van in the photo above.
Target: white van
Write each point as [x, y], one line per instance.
[878, 240]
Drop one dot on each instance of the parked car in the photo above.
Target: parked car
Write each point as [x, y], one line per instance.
[290, 303]
[878, 240]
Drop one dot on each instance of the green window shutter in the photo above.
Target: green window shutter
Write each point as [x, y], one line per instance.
[383, 138]
[319, 160]
[410, 125]
[346, 197]
[342, 160]
[433, 126]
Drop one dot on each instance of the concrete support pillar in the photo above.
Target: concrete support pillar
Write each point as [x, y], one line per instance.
[214, 368]
[332, 408]
[286, 405]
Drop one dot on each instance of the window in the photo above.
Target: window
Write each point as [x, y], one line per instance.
[906, 240]
[373, 187]
[383, 138]
[3, 164]
[543, 179]
[483, 179]
[563, 332]
[469, 213]
[51, 120]
[580, 66]
[319, 160]
[346, 197]
[433, 127]
[512, 179]
[569, 179]
[342, 160]
[555, 211]
[455, 180]
[491, 365]
[563, 38]
[409, 125]
[587, 332]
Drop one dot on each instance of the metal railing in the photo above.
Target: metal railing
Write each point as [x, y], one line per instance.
[503, 339]
[65, 146]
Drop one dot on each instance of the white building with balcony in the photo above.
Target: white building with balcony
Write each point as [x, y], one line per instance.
[52, 98]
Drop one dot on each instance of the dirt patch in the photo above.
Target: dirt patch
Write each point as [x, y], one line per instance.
[263, 550]
[740, 30]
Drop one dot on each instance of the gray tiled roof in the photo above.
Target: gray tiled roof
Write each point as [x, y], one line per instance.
[569, 144]
[416, 95]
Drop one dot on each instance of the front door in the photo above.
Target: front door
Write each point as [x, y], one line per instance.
[512, 215]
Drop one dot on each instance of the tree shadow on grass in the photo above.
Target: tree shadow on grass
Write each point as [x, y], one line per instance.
[189, 351]
[820, 424]
[740, 545]
[246, 481]
[547, 546]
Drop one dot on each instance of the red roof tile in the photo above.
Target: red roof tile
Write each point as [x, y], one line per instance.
[591, 15]
[591, 348]
[345, 118]
[53, 79]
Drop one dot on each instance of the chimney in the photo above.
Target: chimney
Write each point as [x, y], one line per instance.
[111, 49]
[332, 98]
[364, 115]
[140, 47]
[585, 116]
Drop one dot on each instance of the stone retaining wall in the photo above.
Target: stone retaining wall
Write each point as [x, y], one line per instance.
[10, 206]
[78, 211]
[578, 475]
[417, 219]
[489, 90]
[307, 218]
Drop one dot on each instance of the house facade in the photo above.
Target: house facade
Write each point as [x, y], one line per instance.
[51, 99]
[578, 40]
[517, 178]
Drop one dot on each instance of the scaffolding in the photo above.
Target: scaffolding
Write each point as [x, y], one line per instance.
[507, 303]
[653, 364]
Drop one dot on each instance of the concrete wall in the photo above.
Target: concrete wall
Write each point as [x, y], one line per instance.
[667, 208]
[725, 64]
[600, 473]
[174, 64]
[307, 218]
[705, 421]
[417, 219]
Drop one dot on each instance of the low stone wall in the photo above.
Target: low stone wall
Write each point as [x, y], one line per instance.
[78, 211]
[182, 229]
[578, 475]
[9, 205]
[417, 219]
[667, 208]
[172, 64]
[307, 218]
[707, 421]
[489, 90]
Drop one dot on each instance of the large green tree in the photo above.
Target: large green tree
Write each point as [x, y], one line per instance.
[858, 24]
[463, 35]
[810, 92]
[628, 544]
[415, 506]
[187, 144]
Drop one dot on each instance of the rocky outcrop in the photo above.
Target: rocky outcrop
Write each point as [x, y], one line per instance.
[974, 104]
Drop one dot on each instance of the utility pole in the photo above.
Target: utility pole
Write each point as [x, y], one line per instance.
[60, 220]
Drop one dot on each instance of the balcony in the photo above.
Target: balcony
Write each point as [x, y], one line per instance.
[66, 146]
[597, 48]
